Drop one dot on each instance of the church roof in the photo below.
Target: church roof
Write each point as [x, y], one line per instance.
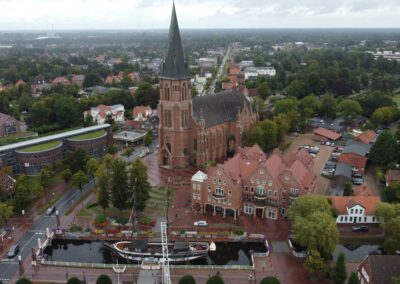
[219, 108]
[174, 65]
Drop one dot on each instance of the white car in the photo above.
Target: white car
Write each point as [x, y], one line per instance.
[200, 224]
[142, 154]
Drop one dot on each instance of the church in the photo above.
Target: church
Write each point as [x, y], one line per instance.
[193, 131]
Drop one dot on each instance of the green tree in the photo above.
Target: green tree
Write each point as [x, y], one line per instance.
[215, 280]
[270, 280]
[389, 215]
[314, 225]
[103, 279]
[353, 279]
[103, 189]
[119, 185]
[148, 138]
[139, 185]
[339, 274]
[45, 177]
[349, 109]
[79, 179]
[315, 265]
[328, 107]
[187, 279]
[381, 152]
[23, 281]
[128, 152]
[309, 105]
[22, 198]
[265, 134]
[67, 114]
[66, 175]
[6, 211]
[76, 160]
[264, 90]
[91, 167]
[74, 280]
[285, 105]
[297, 89]
[383, 115]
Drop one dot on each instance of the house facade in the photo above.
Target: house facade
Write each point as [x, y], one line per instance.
[100, 113]
[252, 184]
[379, 269]
[141, 113]
[194, 131]
[9, 125]
[356, 209]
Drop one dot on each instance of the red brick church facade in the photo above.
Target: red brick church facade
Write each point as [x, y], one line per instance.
[196, 130]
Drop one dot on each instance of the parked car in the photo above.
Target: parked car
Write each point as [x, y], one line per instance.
[354, 170]
[200, 223]
[142, 154]
[339, 149]
[313, 155]
[13, 251]
[357, 175]
[50, 210]
[359, 228]
[327, 143]
[357, 181]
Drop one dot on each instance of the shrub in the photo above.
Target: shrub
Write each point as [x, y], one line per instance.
[75, 228]
[122, 220]
[23, 281]
[215, 280]
[74, 280]
[238, 232]
[91, 205]
[187, 279]
[103, 279]
[145, 220]
[100, 219]
[112, 149]
[270, 280]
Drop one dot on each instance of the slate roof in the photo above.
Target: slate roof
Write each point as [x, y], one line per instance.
[174, 65]
[343, 169]
[219, 108]
[358, 148]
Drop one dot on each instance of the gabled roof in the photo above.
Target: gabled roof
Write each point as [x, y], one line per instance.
[383, 268]
[363, 190]
[353, 159]
[140, 109]
[342, 203]
[327, 133]
[367, 137]
[174, 65]
[199, 176]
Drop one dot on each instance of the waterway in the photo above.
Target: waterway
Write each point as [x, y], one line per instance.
[95, 252]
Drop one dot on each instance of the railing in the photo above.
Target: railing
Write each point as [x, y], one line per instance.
[293, 194]
[218, 195]
[259, 203]
[212, 267]
[261, 196]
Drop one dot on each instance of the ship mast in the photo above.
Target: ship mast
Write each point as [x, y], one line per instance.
[166, 277]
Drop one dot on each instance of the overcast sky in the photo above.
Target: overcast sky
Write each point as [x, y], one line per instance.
[155, 14]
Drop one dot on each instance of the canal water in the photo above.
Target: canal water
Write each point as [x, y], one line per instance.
[354, 252]
[95, 252]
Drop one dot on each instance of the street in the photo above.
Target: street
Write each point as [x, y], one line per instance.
[220, 70]
[9, 267]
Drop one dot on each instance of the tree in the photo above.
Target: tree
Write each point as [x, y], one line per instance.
[103, 191]
[297, 89]
[76, 160]
[349, 109]
[139, 185]
[74, 280]
[6, 211]
[353, 279]
[22, 197]
[92, 79]
[265, 134]
[119, 185]
[79, 179]
[285, 105]
[264, 90]
[339, 274]
[328, 107]
[23, 281]
[187, 279]
[315, 264]
[270, 280]
[103, 279]
[381, 152]
[66, 175]
[314, 225]
[215, 280]
[389, 215]
[148, 138]
[383, 115]
[91, 167]
[309, 105]
[67, 114]
[45, 177]
[128, 152]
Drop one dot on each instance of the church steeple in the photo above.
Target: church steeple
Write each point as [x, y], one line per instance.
[174, 65]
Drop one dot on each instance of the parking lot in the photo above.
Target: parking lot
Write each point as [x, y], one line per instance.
[325, 152]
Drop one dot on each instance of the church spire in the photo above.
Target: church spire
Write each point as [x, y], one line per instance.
[174, 65]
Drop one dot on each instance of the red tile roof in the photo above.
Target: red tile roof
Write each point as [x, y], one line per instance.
[342, 203]
[366, 137]
[363, 190]
[354, 160]
[327, 133]
[140, 109]
[60, 80]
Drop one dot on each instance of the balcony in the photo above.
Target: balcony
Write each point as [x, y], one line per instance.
[259, 203]
[260, 196]
[218, 195]
[294, 194]
[272, 203]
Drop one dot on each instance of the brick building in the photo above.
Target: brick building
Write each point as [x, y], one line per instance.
[379, 269]
[253, 184]
[194, 131]
[9, 125]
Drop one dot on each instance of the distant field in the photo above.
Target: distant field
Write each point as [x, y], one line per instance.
[90, 135]
[40, 147]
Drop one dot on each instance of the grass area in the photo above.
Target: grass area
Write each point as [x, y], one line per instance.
[83, 213]
[17, 136]
[40, 147]
[90, 135]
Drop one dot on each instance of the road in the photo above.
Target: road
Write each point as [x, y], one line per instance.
[8, 267]
[211, 90]
[138, 149]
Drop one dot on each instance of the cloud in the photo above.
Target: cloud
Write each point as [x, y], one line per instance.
[138, 14]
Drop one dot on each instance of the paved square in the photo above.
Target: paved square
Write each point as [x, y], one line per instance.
[280, 247]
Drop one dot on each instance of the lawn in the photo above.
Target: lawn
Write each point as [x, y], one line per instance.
[90, 135]
[41, 147]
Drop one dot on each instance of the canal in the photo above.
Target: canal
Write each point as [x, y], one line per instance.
[238, 253]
